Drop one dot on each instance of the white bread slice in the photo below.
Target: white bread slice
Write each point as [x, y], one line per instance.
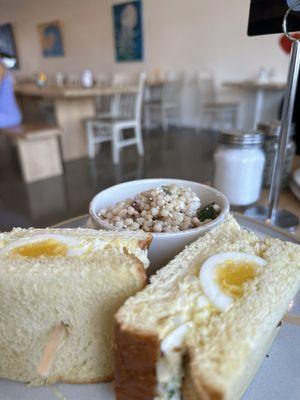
[56, 312]
[220, 351]
[135, 243]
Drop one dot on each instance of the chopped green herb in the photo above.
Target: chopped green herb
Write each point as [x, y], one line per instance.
[170, 394]
[211, 211]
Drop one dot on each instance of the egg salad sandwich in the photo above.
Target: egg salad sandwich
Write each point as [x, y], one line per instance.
[202, 326]
[59, 291]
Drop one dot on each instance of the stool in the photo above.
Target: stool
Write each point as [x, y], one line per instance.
[38, 150]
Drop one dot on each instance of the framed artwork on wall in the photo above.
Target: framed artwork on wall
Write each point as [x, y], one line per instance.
[8, 52]
[51, 39]
[128, 31]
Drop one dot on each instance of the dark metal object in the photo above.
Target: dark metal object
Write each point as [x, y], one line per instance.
[274, 215]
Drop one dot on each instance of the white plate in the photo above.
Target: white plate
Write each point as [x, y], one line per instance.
[277, 378]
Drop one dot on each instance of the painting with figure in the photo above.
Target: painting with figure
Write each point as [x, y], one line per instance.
[51, 39]
[8, 52]
[128, 30]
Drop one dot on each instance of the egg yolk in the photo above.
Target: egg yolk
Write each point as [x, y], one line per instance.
[49, 248]
[231, 275]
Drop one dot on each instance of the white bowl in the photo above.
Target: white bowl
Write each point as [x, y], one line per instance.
[164, 246]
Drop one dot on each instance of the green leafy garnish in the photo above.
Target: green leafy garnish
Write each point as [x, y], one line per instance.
[211, 211]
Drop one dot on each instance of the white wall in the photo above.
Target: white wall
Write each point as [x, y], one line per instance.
[187, 35]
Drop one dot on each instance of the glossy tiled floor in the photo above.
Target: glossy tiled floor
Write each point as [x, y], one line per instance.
[180, 153]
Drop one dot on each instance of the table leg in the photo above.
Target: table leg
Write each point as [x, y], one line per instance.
[259, 103]
[70, 113]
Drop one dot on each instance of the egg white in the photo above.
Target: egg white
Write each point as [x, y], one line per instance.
[208, 282]
[74, 246]
[175, 338]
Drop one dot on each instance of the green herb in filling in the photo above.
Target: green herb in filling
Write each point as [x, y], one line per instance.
[170, 394]
[211, 211]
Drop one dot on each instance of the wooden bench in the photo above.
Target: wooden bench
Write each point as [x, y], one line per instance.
[38, 150]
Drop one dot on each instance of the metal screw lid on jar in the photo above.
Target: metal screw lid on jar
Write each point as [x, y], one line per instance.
[241, 138]
[272, 129]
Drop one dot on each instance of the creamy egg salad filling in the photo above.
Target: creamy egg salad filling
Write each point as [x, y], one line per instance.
[169, 368]
[222, 279]
[50, 245]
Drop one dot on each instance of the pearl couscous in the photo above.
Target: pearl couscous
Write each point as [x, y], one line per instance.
[170, 208]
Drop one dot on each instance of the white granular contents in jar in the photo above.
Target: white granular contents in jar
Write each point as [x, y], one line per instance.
[170, 208]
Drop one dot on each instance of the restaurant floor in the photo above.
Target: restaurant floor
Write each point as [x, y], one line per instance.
[179, 153]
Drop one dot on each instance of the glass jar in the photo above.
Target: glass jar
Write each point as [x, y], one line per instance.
[238, 166]
[272, 133]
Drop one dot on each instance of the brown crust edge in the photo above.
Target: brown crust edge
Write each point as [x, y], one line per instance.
[107, 378]
[136, 355]
[140, 269]
[194, 388]
[145, 243]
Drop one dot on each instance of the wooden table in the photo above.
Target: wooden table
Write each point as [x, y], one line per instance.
[259, 88]
[155, 82]
[71, 105]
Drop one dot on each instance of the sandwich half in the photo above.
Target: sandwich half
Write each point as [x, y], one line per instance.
[59, 291]
[203, 325]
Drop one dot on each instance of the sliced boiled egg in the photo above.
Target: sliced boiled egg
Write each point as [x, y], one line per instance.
[46, 244]
[222, 276]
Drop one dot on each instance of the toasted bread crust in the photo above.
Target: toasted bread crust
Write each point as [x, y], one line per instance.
[136, 356]
[144, 244]
[195, 388]
[140, 269]
[101, 379]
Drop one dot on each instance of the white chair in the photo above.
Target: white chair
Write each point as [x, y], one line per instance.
[103, 80]
[109, 105]
[103, 129]
[168, 106]
[121, 100]
[103, 103]
[122, 79]
[214, 114]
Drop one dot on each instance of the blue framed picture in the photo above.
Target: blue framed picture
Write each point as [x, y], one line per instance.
[128, 31]
[51, 39]
[8, 52]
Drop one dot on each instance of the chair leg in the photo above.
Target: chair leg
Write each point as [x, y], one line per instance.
[147, 118]
[90, 140]
[177, 118]
[164, 120]
[199, 126]
[139, 139]
[115, 145]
